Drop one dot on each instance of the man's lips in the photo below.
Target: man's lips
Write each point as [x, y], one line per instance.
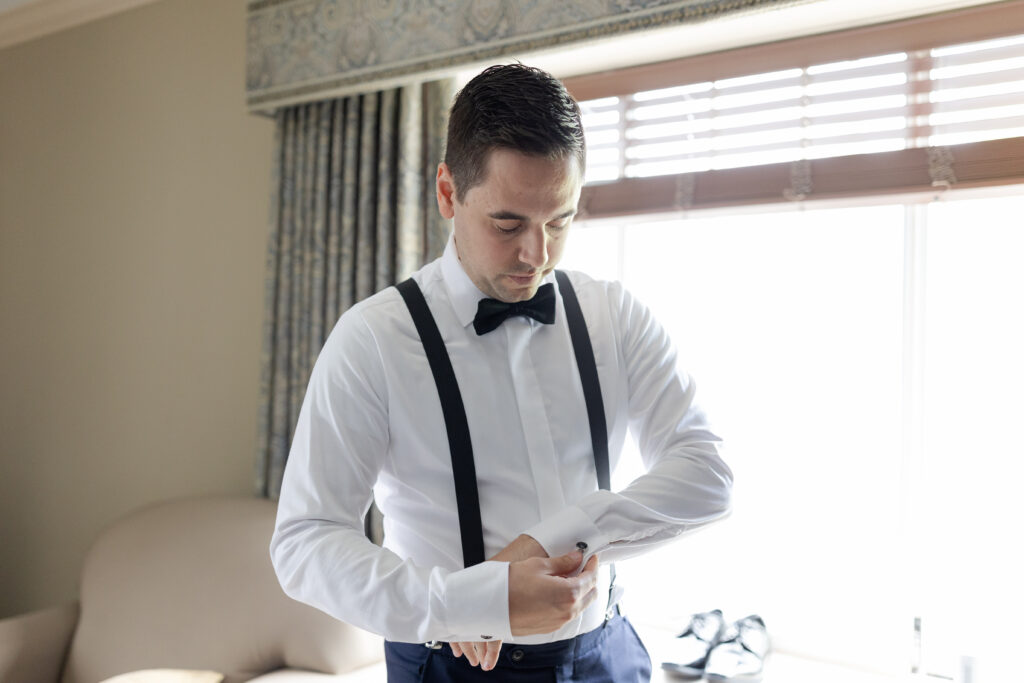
[522, 279]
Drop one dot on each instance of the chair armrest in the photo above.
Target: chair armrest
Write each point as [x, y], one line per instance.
[33, 645]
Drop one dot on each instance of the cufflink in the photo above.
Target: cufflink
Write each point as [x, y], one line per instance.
[486, 637]
[581, 546]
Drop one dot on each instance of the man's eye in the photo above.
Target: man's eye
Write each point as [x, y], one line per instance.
[505, 229]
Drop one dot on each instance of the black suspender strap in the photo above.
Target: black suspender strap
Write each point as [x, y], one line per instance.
[466, 495]
[591, 395]
[588, 377]
[463, 467]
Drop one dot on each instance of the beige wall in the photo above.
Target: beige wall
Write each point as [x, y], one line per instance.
[133, 212]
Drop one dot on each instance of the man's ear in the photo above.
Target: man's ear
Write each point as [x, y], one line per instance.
[445, 191]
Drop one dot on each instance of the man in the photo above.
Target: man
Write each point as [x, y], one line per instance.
[542, 383]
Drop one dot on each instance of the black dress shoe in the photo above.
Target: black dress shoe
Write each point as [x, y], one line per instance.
[739, 655]
[693, 645]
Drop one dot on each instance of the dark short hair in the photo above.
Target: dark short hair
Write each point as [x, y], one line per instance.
[515, 107]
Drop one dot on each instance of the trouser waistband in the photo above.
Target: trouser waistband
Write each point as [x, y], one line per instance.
[518, 656]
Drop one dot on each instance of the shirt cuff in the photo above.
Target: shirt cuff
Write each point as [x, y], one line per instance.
[477, 602]
[561, 532]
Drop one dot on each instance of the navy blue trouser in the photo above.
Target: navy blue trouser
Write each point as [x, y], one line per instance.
[611, 653]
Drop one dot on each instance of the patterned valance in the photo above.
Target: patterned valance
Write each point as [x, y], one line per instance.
[304, 50]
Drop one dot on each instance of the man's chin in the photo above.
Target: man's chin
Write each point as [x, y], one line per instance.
[518, 289]
[513, 294]
[513, 297]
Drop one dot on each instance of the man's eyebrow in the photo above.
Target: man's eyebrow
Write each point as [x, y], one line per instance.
[513, 216]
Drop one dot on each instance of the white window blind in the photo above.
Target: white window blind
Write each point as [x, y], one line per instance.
[977, 92]
[879, 103]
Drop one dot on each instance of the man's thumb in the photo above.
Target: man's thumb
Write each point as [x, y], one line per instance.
[565, 564]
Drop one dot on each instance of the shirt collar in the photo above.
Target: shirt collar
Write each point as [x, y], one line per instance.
[464, 295]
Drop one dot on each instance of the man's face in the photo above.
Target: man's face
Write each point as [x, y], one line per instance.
[511, 228]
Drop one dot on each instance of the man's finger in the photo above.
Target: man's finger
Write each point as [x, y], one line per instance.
[483, 654]
[588, 575]
[564, 565]
[588, 598]
[479, 650]
[522, 548]
[466, 649]
[489, 658]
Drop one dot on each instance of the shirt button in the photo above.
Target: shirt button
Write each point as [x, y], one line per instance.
[517, 655]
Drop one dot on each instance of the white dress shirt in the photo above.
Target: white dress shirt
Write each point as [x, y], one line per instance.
[372, 421]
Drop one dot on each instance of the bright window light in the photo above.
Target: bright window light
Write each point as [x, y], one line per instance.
[856, 105]
[758, 118]
[670, 109]
[977, 91]
[855, 84]
[830, 130]
[965, 48]
[686, 126]
[602, 156]
[975, 136]
[976, 68]
[758, 97]
[773, 156]
[970, 115]
[860, 147]
[608, 136]
[604, 102]
[792, 324]
[600, 118]
[671, 93]
[973, 442]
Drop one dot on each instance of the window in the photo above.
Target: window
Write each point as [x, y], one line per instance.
[858, 349]
[970, 507]
[878, 103]
[890, 109]
[863, 363]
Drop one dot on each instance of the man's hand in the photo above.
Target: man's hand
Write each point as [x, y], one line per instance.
[522, 548]
[543, 594]
[485, 653]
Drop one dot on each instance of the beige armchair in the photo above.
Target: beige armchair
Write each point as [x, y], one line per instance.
[186, 585]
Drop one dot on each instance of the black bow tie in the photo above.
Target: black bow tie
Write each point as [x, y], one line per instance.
[490, 312]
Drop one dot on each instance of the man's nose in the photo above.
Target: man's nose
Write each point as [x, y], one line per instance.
[533, 248]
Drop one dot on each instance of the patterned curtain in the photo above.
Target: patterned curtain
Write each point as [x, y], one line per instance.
[353, 211]
[298, 50]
